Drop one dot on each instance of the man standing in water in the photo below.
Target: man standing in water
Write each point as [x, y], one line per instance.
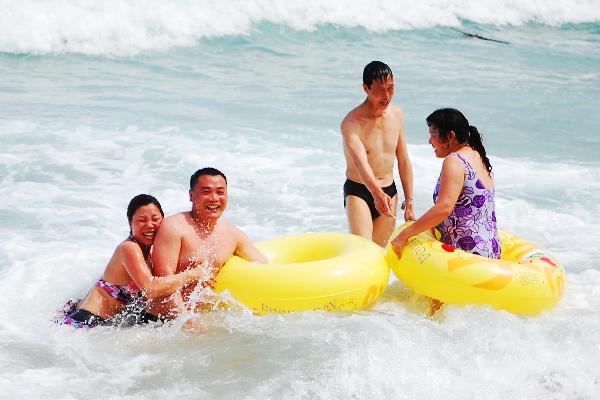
[373, 135]
[199, 238]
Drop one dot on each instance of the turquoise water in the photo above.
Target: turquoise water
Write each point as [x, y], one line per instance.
[99, 102]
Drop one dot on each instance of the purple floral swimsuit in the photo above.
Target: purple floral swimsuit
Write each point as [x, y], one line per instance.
[472, 224]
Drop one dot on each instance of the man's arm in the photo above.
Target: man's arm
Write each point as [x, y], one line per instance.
[246, 249]
[166, 248]
[165, 256]
[405, 171]
[358, 154]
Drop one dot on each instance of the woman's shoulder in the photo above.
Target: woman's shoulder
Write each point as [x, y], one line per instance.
[127, 246]
[453, 161]
[125, 250]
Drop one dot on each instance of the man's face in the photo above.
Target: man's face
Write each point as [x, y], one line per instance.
[381, 92]
[209, 197]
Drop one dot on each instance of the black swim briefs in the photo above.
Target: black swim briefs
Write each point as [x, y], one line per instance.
[352, 188]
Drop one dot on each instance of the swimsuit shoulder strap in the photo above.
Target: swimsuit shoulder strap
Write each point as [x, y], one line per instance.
[470, 173]
[465, 162]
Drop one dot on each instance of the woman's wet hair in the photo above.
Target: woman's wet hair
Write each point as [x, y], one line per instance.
[450, 119]
[139, 201]
[376, 71]
[205, 171]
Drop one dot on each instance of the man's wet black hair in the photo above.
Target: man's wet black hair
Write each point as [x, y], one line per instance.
[376, 71]
[139, 201]
[205, 171]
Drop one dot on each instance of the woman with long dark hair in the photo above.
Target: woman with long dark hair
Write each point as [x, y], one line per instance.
[127, 281]
[464, 210]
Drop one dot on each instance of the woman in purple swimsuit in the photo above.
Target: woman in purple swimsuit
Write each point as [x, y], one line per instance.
[464, 210]
[127, 280]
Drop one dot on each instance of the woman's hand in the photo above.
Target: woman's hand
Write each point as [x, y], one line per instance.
[204, 273]
[398, 243]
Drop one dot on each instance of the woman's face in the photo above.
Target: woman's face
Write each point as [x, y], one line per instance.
[145, 223]
[440, 147]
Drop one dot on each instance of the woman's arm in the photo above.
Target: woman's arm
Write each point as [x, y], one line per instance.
[451, 182]
[154, 286]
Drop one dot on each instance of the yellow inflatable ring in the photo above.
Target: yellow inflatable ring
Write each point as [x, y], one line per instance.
[318, 271]
[525, 281]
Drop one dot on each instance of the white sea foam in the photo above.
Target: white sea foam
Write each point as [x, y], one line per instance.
[81, 135]
[277, 187]
[69, 189]
[130, 26]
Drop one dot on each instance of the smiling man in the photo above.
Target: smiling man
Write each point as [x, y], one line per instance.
[199, 238]
[373, 135]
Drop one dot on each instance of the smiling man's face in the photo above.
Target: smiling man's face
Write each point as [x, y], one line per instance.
[209, 197]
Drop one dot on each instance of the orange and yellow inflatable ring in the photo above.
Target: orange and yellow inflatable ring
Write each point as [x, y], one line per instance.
[526, 280]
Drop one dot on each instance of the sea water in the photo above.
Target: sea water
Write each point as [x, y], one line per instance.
[100, 101]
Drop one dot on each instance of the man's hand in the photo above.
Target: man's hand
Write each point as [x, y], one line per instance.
[409, 214]
[383, 203]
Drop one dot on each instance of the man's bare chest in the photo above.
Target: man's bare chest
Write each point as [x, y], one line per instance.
[379, 141]
[215, 250]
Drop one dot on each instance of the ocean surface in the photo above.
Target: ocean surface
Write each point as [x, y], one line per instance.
[100, 101]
